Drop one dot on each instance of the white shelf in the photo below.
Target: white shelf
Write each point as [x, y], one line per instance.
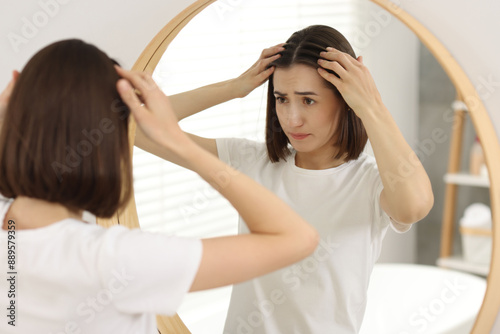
[467, 180]
[458, 263]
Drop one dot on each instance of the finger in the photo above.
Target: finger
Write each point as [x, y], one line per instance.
[128, 96]
[345, 59]
[334, 66]
[10, 87]
[137, 79]
[265, 74]
[265, 62]
[360, 59]
[140, 80]
[330, 53]
[5, 94]
[272, 50]
[337, 82]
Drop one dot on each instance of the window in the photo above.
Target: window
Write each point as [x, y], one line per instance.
[219, 44]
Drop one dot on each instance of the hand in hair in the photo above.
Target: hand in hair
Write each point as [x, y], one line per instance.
[258, 73]
[5, 95]
[355, 82]
[407, 197]
[196, 100]
[154, 114]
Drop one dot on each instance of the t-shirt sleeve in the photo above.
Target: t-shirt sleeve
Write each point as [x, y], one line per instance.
[5, 204]
[224, 149]
[384, 218]
[148, 272]
[240, 153]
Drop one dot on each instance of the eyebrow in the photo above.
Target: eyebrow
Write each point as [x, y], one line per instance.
[296, 93]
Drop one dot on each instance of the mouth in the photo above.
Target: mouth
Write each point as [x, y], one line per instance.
[299, 136]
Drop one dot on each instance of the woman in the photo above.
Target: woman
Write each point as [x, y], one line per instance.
[322, 107]
[64, 149]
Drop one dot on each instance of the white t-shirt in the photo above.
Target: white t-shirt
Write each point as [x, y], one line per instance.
[326, 292]
[73, 277]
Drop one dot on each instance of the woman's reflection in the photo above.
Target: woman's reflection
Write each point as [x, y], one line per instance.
[322, 106]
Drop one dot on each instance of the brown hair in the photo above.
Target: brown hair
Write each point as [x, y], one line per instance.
[304, 47]
[64, 138]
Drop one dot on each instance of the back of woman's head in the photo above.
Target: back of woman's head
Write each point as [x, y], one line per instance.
[64, 137]
[304, 47]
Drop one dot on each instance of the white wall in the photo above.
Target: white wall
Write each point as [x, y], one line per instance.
[120, 28]
[469, 30]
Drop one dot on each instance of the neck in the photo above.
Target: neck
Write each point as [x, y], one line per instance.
[30, 213]
[315, 161]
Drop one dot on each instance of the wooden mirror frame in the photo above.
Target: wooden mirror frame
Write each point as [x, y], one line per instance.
[491, 304]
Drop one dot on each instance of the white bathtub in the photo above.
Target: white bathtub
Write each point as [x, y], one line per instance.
[414, 299]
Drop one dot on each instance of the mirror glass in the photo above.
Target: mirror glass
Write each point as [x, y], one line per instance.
[222, 42]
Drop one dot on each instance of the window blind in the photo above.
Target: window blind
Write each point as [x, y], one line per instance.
[219, 43]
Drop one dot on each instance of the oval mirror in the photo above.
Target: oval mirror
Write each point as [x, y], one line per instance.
[212, 41]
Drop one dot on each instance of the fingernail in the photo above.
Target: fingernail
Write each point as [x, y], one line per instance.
[330, 48]
[123, 85]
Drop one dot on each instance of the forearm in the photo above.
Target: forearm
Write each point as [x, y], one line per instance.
[407, 187]
[187, 104]
[263, 211]
[278, 236]
[191, 102]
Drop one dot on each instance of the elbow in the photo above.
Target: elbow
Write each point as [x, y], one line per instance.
[425, 205]
[417, 210]
[305, 242]
[311, 241]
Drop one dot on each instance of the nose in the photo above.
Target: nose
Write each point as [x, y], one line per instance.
[294, 117]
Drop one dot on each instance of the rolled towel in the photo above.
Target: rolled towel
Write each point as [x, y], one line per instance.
[477, 215]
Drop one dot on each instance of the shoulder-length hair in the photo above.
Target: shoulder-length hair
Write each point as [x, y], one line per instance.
[304, 47]
[64, 138]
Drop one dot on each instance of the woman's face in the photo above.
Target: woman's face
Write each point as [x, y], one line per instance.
[308, 111]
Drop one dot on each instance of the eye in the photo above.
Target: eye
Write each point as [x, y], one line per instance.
[308, 101]
[280, 99]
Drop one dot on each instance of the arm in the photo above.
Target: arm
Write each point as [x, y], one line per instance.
[278, 237]
[407, 195]
[191, 102]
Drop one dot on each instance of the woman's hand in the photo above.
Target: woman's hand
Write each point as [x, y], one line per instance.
[407, 195]
[355, 82]
[154, 114]
[258, 73]
[5, 95]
